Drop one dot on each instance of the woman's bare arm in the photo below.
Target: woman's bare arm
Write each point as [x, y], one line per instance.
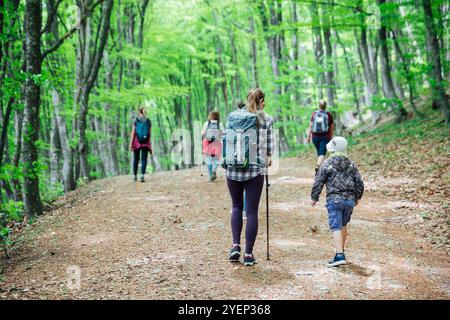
[133, 131]
[309, 131]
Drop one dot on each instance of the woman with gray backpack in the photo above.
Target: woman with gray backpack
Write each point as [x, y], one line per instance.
[321, 129]
[247, 151]
[140, 142]
[212, 145]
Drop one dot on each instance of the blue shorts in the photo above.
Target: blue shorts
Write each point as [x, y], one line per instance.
[339, 213]
[321, 145]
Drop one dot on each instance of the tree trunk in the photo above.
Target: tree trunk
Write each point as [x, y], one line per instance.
[329, 74]
[388, 84]
[410, 33]
[223, 81]
[33, 60]
[5, 123]
[253, 53]
[18, 121]
[142, 11]
[127, 122]
[189, 111]
[434, 59]
[91, 65]
[236, 77]
[273, 42]
[82, 146]
[408, 75]
[318, 47]
[351, 75]
[369, 69]
[55, 144]
[295, 56]
[111, 144]
[67, 169]
[101, 166]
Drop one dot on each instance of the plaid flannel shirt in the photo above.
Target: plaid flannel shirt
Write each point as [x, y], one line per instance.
[266, 139]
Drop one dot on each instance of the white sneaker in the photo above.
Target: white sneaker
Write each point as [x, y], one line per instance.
[244, 215]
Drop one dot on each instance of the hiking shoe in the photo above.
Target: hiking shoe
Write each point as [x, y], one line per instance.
[235, 254]
[142, 178]
[134, 178]
[339, 259]
[244, 215]
[214, 176]
[249, 260]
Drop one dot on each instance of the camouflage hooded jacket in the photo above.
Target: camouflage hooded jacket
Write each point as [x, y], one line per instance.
[342, 179]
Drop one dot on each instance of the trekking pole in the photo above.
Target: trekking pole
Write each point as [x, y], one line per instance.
[267, 210]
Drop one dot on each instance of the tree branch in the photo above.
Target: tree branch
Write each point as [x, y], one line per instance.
[323, 3]
[51, 16]
[71, 31]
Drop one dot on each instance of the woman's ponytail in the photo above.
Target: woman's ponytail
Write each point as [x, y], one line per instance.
[254, 100]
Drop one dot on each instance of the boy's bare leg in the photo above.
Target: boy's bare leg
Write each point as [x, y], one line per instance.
[344, 236]
[320, 160]
[338, 241]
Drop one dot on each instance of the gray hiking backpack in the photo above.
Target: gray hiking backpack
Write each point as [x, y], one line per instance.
[212, 131]
[241, 140]
[320, 122]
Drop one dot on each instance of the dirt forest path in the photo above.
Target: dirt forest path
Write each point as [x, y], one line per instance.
[168, 238]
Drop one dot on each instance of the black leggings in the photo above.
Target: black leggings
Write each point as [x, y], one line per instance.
[137, 154]
[253, 189]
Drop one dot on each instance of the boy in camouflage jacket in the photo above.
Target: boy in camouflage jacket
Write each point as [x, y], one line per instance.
[344, 190]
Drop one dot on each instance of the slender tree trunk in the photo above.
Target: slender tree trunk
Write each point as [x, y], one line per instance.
[352, 77]
[189, 109]
[207, 86]
[18, 119]
[91, 65]
[434, 59]
[329, 74]
[273, 44]
[295, 56]
[55, 143]
[100, 166]
[236, 77]
[388, 84]
[111, 144]
[67, 153]
[82, 126]
[318, 47]
[370, 73]
[142, 11]
[127, 123]
[5, 123]
[408, 75]
[223, 82]
[411, 35]
[253, 53]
